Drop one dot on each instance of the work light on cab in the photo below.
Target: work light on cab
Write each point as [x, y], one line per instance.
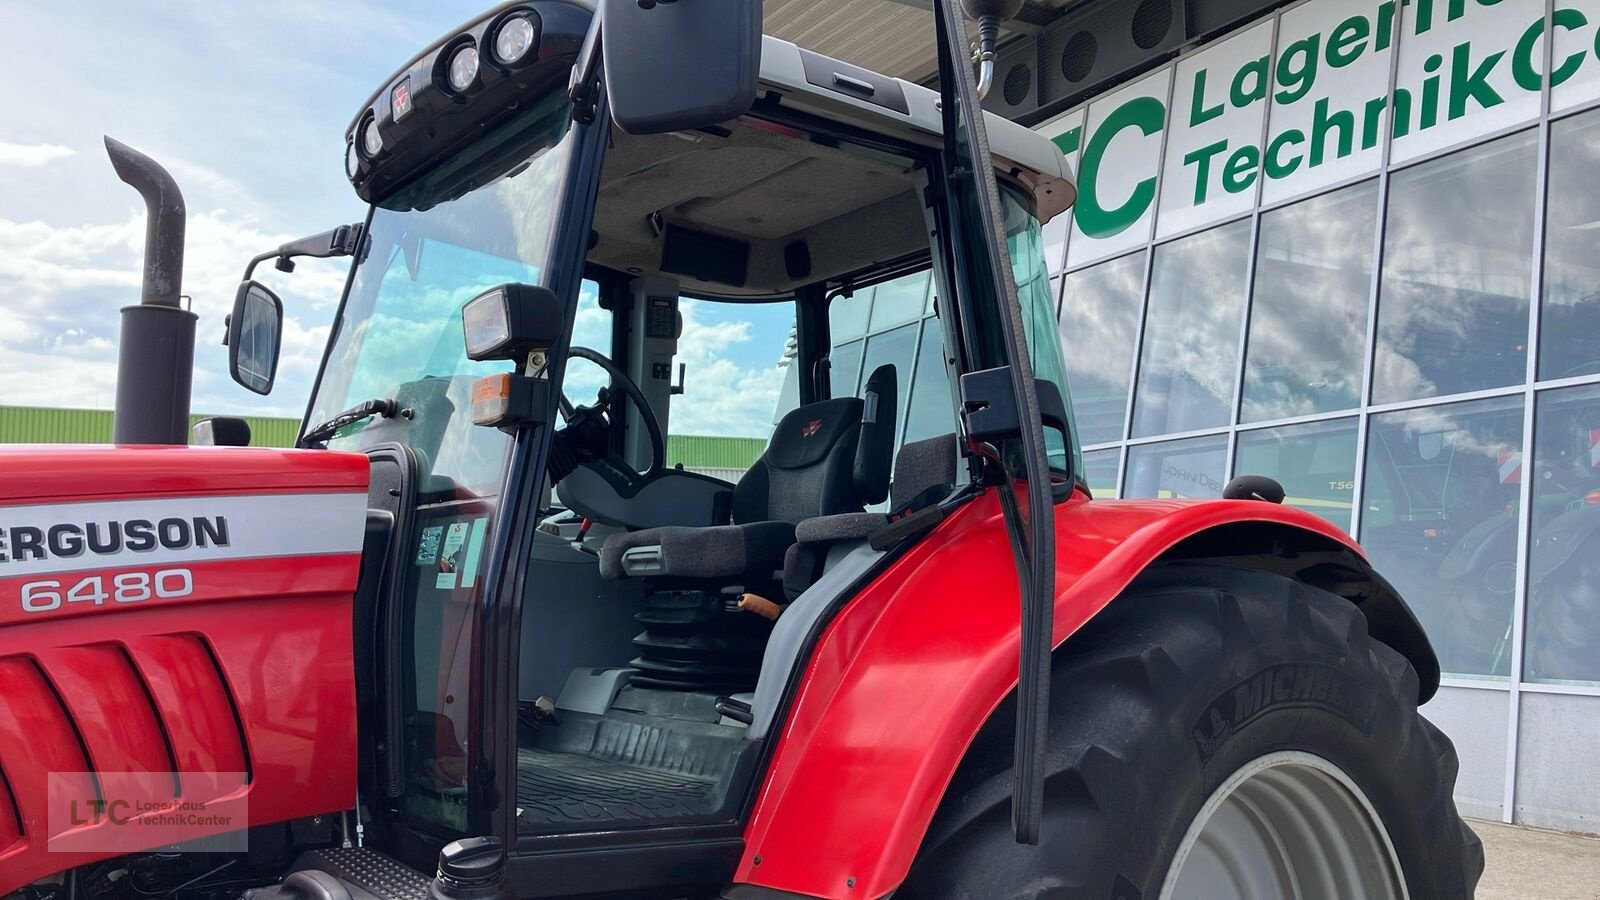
[371, 140]
[514, 39]
[463, 71]
[510, 321]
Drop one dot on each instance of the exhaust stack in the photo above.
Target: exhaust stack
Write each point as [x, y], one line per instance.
[155, 357]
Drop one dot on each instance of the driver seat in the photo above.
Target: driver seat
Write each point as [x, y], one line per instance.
[828, 457]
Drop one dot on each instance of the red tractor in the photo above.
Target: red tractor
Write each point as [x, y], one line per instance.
[476, 637]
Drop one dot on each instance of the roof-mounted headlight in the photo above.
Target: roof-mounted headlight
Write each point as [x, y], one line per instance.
[352, 160]
[462, 70]
[371, 140]
[514, 40]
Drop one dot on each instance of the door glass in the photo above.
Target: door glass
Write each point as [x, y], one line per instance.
[399, 337]
[931, 410]
[1025, 246]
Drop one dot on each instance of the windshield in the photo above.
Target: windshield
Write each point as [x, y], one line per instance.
[399, 335]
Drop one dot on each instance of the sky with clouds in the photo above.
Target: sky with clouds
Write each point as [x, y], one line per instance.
[246, 105]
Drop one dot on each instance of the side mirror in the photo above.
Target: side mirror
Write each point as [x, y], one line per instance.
[220, 431]
[255, 330]
[676, 66]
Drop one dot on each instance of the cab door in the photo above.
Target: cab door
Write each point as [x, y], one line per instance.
[999, 396]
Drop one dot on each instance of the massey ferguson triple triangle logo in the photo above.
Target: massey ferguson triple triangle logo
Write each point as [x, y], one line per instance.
[811, 428]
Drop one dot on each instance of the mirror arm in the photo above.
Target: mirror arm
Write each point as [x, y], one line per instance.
[345, 240]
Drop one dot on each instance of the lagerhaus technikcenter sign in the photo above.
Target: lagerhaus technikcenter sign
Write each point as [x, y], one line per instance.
[1302, 100]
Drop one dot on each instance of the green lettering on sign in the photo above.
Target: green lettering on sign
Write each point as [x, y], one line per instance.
[1198, 113]
[1201, 160]
[1348, 41]
[1522, 66]
[1275, 164]
[1240, 170]
[1473, 83]
[1297, 68]
[1255, 71]
[1144, 113]
[1068, 141]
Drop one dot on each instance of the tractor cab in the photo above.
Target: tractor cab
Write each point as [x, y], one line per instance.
[496, 629]
[569, 633]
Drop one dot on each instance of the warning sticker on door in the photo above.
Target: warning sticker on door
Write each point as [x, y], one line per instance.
[428, 547]
[450, 556]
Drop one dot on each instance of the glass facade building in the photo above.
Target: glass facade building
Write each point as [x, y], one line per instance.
[1356, 246]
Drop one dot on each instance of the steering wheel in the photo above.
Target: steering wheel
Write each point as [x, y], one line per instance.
[587, 433]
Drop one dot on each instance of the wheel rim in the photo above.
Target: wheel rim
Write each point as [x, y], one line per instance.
[1286, 825]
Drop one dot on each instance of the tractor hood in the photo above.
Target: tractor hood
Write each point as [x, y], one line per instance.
[175, 629]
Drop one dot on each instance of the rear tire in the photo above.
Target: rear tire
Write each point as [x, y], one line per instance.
[1162, 706]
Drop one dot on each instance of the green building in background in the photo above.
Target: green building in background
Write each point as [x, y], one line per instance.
[721, 457]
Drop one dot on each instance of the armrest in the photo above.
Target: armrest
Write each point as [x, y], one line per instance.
[840, 527]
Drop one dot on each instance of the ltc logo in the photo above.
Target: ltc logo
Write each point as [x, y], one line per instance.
[811, 428]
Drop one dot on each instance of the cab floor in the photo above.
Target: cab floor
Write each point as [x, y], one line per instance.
[564, 789]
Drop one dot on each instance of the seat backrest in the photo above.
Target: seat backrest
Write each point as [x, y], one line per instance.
[827, 457]
[924, 472]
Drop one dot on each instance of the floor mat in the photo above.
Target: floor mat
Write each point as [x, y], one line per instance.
[564, 788]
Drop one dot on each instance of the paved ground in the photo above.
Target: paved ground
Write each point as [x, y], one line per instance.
[1527, 864]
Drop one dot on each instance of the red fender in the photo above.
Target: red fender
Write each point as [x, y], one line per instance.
[906, 675]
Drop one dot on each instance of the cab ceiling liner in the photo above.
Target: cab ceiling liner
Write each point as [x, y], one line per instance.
[1095, 45]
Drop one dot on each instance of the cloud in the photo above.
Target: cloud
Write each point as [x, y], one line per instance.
[64, 286]
[32, 156]
[722, 397]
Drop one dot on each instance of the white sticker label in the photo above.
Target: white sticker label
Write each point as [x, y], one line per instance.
[73, 537]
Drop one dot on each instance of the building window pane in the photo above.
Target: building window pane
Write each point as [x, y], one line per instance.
[1315, 463]
[844, 373]
[1439, 520]
[1099, 325]
[847, 316]
[1563, 628]
[1308, 321]
[1458, 252]
[1191, 334]
[1569, 333]
[898, 301]
[1100, 472]
[1190, 468]
[931, 411]
[897, 348]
